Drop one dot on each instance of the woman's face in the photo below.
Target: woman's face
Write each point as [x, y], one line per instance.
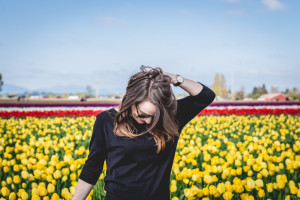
[145, 108]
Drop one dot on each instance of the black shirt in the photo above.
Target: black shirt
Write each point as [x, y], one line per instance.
[134, 169]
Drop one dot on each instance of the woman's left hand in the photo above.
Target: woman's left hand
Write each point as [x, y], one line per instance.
[172, 76]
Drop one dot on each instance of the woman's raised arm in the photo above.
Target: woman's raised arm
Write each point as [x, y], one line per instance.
[200, 97]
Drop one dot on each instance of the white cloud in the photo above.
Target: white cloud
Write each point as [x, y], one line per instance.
[186, 13]
[273, 4]
[235, 12]
[111, 21]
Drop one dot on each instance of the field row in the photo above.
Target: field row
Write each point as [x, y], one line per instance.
[217, 157]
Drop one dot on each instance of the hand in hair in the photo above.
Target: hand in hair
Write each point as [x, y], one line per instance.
[172, 76]
[153, 71]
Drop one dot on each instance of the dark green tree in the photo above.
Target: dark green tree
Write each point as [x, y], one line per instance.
[1, 82]
[263, 89]
[258, 91]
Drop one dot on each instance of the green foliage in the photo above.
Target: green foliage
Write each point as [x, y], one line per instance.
[258, 91]
[293, 94]
[1, 82]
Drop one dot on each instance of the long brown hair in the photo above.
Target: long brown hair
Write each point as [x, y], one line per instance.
[155, 86]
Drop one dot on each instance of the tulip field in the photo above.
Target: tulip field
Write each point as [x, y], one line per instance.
[226, 152]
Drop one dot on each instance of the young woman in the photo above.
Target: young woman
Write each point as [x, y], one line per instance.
[138, 139]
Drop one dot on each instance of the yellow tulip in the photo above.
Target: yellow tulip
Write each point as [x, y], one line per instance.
[65, 171]
[205, 191]
[259, 183]
[221, 188]
[195, 178]
[12, 196]
[239, 171]
[281, 180]
[3, 183]
[270, 187]
[9, 180]
[24, 174]
[227, 195]
[42, 190]
[64, 178]
[57, 174]
[287, 197]
[24, 195]
[5, 191]
[264, 173]
[35, 191]
[16, 179]
[261, 193]
[208, 179]
[250, 173]
[186, 180]
[16, 167]
[24, 185]
[6, 169]
[250, 184]
[212, 190]
[228, 186]
[35, 197]
[239, 188]
[294, 190]
[55, 196]
[199, 193]
[173, 188]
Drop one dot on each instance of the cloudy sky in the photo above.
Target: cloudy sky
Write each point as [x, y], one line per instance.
[61, 42]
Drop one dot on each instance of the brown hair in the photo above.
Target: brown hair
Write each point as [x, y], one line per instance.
[153, 85]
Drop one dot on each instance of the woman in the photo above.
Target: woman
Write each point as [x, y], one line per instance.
[138, 140]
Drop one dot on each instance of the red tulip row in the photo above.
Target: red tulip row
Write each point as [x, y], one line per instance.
[56, 113]
[223, 111]
[250, 111]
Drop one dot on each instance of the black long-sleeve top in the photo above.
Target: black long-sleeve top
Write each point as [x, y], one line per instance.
[134, 170]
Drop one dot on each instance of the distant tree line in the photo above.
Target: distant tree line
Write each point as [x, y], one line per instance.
[219, 87]
[1, 82]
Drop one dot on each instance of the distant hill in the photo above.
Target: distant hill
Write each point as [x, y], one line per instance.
[70, 89]
[10, 88]
[57, 89]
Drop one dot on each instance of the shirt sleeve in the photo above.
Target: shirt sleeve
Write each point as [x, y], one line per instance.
[190, 106]
[97, 152]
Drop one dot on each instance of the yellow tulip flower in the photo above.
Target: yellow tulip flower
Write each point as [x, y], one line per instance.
[5, 191]
[55, 196]
[12, 196]
[16, 179]
[35, 197]
[24, 195]
[42, 190]
[57, 174]
[205, 191]
[227, 195]
[250, 184]
[261, 193]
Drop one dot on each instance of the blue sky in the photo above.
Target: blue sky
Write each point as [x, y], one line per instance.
[63, 42]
